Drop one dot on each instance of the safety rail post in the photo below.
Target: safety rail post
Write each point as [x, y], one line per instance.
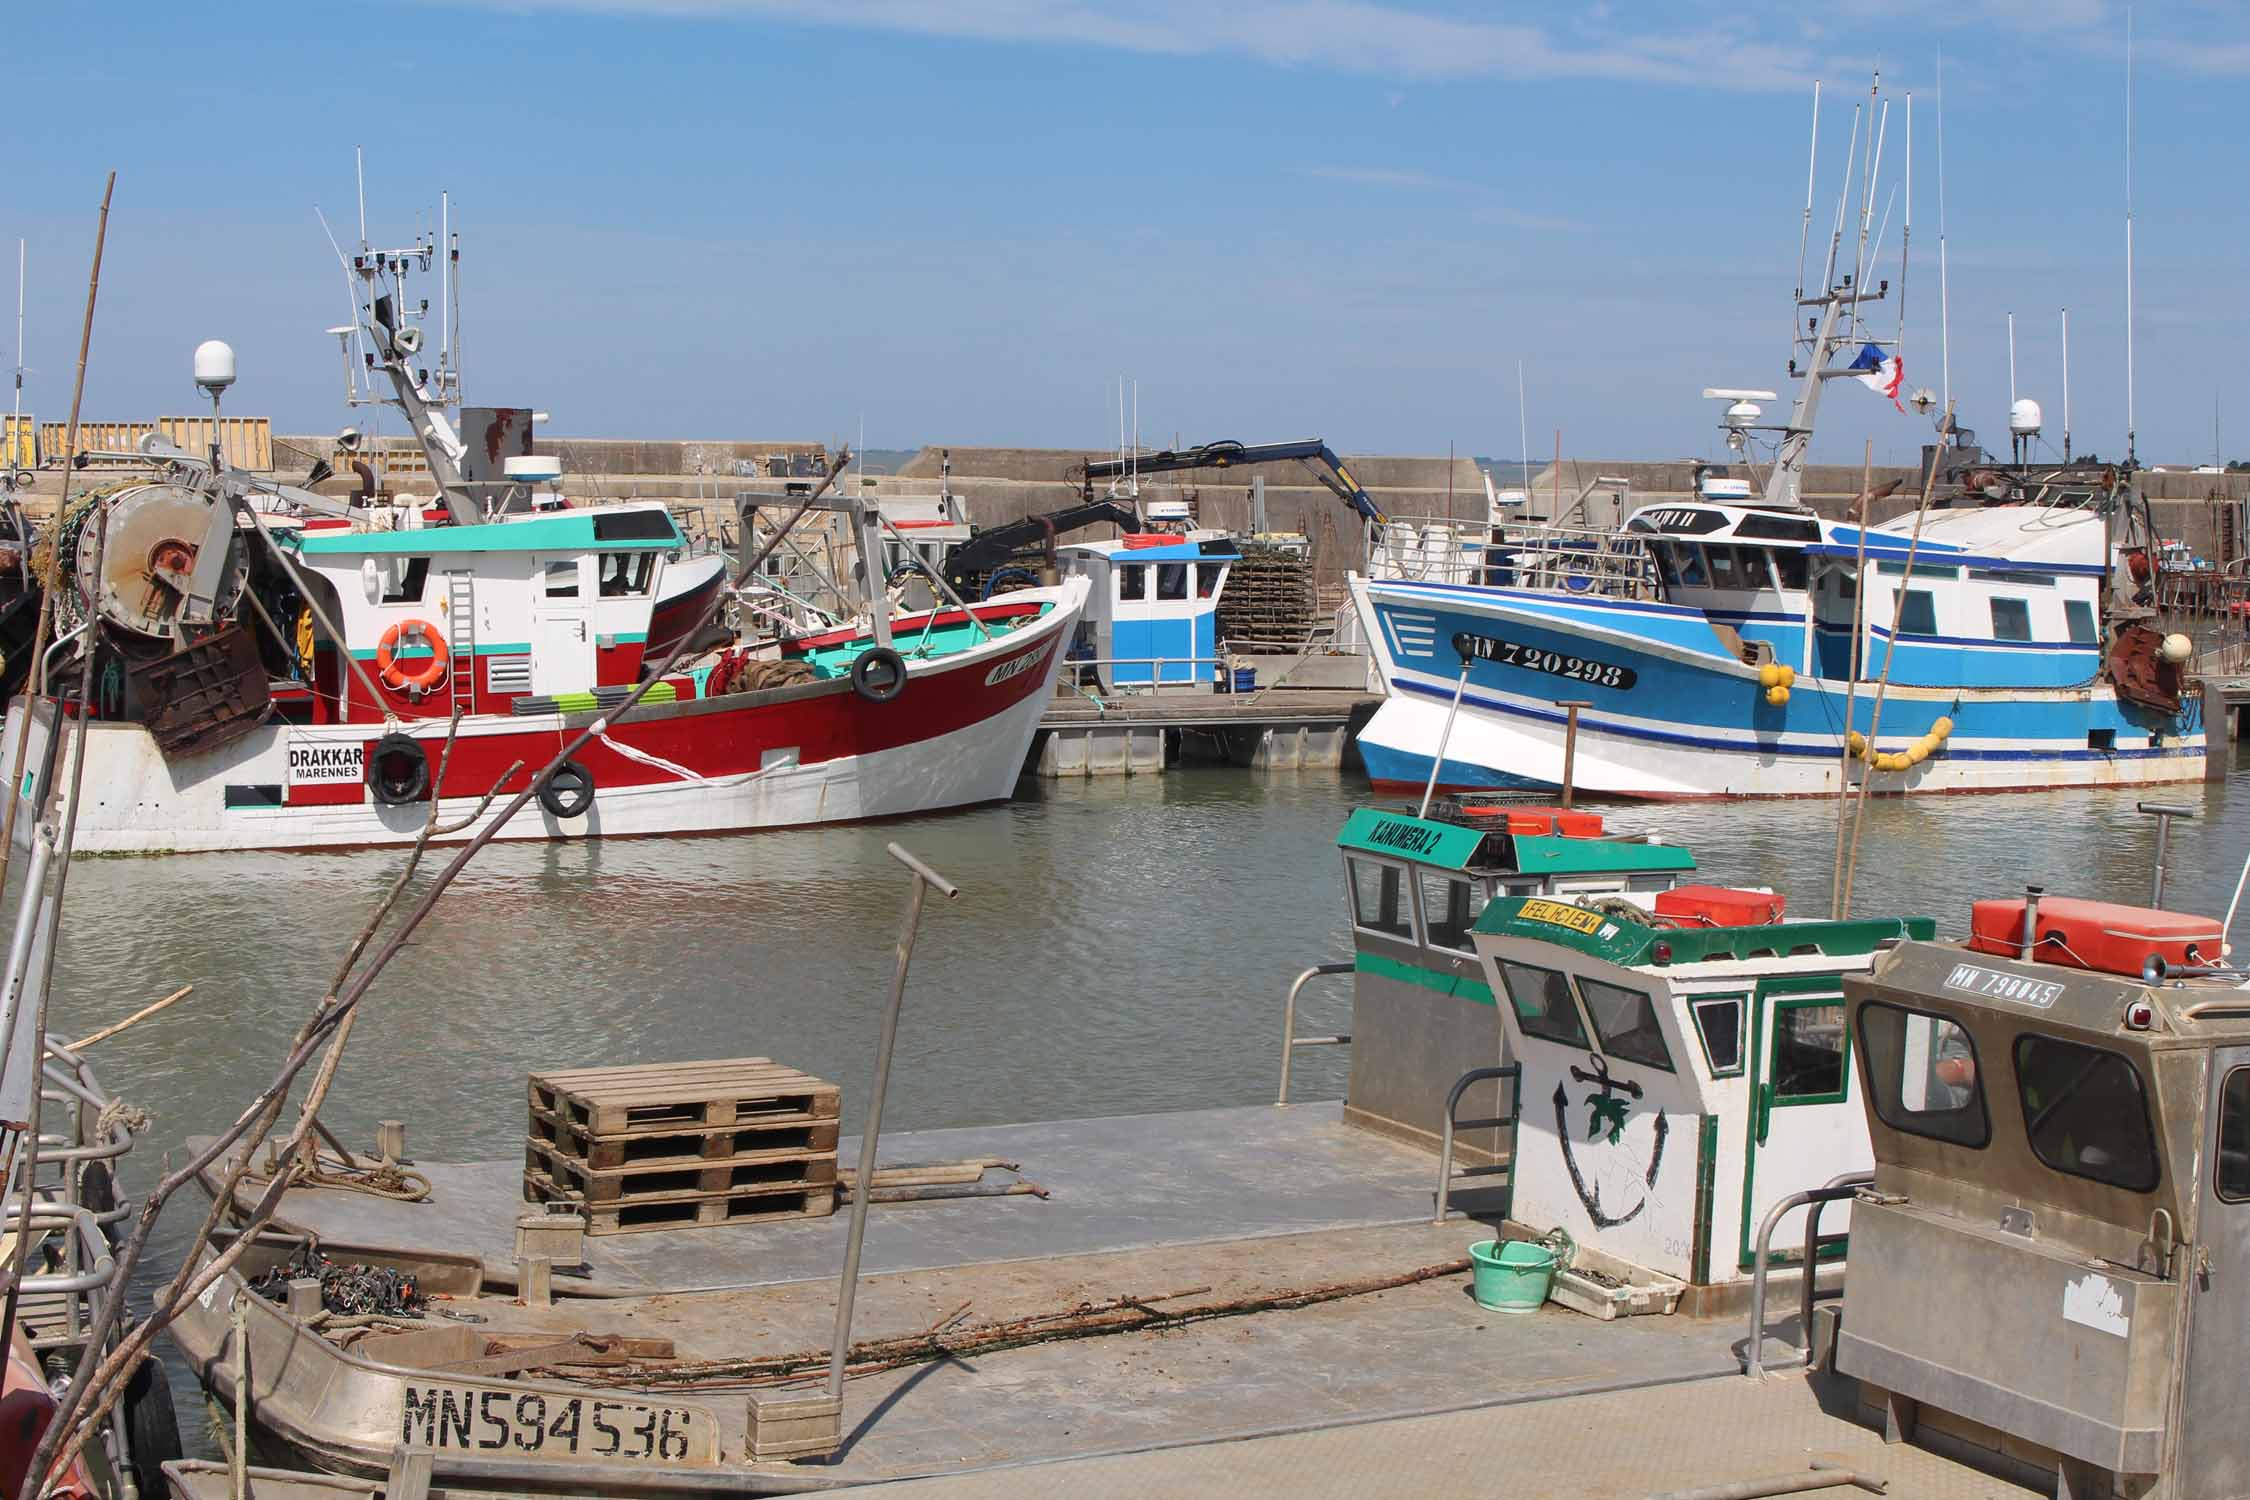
[1290, 1041]
[1513, 1072]
[1814, 1200]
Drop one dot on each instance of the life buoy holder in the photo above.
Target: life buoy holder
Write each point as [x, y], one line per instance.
[398, 770]
[568, 792]
[395, 675]
[879, 674]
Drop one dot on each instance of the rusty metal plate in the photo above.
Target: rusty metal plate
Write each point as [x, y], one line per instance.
[203, 696]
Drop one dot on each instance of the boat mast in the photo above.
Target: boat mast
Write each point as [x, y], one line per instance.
[1785, 483]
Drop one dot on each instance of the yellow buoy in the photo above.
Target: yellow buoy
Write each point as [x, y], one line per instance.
[1788, 676]
[1942, 728]
[1777, 695]
[1769, 676]
[1856, 742]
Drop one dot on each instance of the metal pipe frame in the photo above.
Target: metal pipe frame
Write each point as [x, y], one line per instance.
[1838, 1188]
[1290, 1041]
[1513, 1072]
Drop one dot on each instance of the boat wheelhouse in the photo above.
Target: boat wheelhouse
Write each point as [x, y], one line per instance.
[1152, 613]
[2054, 1253]
[1422, 1010]
[1685, 1068]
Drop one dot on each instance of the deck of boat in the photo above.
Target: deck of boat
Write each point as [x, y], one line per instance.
[1228, 1203]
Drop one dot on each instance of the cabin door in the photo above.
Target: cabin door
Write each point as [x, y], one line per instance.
[562, 644]
[2212, 1457]
[1805, 1127]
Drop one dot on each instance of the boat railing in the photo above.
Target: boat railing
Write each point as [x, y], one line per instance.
[1525, 555]
[1452, 1122]
[1290, 1041]
[1157, 664]
[1813, 1201]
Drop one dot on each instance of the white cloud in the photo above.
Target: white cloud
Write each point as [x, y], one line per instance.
[1350, 36]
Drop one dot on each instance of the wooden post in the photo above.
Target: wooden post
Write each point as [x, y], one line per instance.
[1570, 746]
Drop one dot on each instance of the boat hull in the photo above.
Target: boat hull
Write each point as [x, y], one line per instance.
[1681, 720]
[816, 753]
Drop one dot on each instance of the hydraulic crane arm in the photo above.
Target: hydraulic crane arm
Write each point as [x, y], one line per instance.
[995, 545]
[1315, 455]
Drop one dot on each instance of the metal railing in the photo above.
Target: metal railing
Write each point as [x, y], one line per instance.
[1513, 1072]
[1550, 558]
[1157, 679]
[1813, 1201]
[1290, 1041]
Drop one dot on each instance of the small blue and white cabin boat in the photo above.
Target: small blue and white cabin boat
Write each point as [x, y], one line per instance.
[1152, 617]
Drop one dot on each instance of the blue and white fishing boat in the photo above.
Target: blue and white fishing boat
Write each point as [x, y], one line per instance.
[2018, 660]
[2007, 634]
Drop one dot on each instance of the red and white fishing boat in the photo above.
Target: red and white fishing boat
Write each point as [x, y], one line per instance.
[274, 669]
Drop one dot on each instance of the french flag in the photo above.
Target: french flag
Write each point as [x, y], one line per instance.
[1880, 372]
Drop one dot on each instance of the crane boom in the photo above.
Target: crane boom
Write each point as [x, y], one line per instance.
[1315, 455]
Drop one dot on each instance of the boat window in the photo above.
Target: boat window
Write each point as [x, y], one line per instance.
[626, 574]
[1666, 564]
[405, 586]
[1918, 615]
[1207, 576]
[1722, 567]
[1449, 909]
[1543, 1005]
[1922, 569]
[1379, 900]
[1649, 882]
[2020, 580]
[2086, 1111]
[2231, 1175]
[1692, 572]
[1132, 581]
[1751, 571]
[1808, 1051]
[2080, 617]
[562, 579]
[1171, 580]
[1790, 565]
[1923, 1072]
[1718, 1020]
[1626, 1022]
[2011, 620]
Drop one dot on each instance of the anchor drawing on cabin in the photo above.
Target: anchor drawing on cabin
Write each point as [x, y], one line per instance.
[1607, 1112]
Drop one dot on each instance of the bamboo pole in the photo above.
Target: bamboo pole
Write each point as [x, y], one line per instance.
[136, 1017]
[1851, 681]
[36, 681]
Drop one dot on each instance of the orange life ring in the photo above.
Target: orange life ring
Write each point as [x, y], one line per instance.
[432, 672]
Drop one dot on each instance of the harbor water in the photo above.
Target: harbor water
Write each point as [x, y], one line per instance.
[1118, 946]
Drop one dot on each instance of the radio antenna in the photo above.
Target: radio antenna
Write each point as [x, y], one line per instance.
[1804, 231]
[1945, 309]
[2129, 423]
[2066, 384]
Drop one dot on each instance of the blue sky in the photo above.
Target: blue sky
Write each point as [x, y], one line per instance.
[960, 221]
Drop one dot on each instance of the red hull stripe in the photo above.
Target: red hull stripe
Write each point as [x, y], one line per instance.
[722, 743]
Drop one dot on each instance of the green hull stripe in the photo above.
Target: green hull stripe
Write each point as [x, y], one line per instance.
[1475, 990]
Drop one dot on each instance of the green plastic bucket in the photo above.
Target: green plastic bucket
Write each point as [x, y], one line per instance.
[1511, 1276]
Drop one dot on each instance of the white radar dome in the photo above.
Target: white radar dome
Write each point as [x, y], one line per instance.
[214, 364]
[2024, 417]
[1743, 414]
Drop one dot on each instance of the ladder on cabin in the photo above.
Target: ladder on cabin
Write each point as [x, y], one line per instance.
[461, 629]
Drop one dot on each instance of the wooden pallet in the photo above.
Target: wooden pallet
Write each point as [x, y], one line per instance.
[687, 1211]
[682, 1147]
[644, 1182]
[669, 1098]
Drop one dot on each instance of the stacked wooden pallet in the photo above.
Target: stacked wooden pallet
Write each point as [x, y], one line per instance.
[1270, 603]
[677, 1145]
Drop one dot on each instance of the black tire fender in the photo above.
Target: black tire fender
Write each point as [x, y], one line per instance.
[879, 674]
[568, 792]
[412, 765]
